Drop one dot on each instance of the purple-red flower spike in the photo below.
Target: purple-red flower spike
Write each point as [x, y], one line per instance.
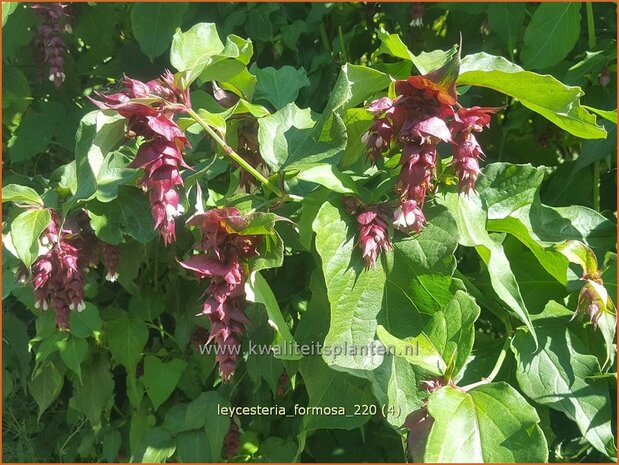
[161, 155]
[373, 235]
[58, 275]
[420, 117]
[221, 260]
[50, 38]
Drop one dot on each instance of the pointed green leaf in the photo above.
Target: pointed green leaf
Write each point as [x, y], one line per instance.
[161, 378]
[25, 232]
[541, 93]
[556, 375]
[492, 423]
[355, 294]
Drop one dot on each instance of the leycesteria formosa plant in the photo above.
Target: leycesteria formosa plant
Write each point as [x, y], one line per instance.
[224, 217]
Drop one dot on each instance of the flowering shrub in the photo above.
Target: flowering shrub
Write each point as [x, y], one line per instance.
[240, 232]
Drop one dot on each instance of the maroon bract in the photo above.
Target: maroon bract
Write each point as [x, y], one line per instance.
[373, 235]
[222, 260]
[50, 38]
[466, 150]
[417, 14]
[419, 118]
[149, 108]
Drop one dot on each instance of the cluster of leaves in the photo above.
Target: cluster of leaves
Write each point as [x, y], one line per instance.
[487, 294]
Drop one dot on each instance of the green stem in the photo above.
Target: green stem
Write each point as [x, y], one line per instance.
[235, 156]
[497, 367]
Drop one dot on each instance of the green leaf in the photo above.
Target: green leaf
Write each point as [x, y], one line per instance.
[258, 290]
[17, 95]
[329, 176]
[45, 386]
[73, 351]
[7, 9]
[194, 447]
[126, 340]
[36, 131]
[330, 388]
[418, 351]
[579, 253]
[280, 86]
[505, 20]
[357, 121]
[95, 395]
[113, 174]
[128, 214]
[491, 423]
[452, 331]
[292, 137]
[471, 219]
[355, 294]
[556, 375]
[97, 134]
[147, 305]
[354, 85]
[521, 213]
[192, 50]
[21, 195]
[86, 323]
[541, 93]
[425, 62]
[161, 378]
[25, 232]
[608, 115]
[552, 34]
[153, 25]
[420, 280]
[112, 442]
[511, 194]
[395, 385]
[156, 446]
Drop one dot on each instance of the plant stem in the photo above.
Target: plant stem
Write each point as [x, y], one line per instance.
[596, 165]
[235, 156]
[497, 367]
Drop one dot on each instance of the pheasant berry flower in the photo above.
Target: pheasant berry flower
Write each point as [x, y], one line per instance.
[223, 260]
[58, 275]
[161, 154]
[420, 117]
[373, 233]
[466, 150]
[50, 38]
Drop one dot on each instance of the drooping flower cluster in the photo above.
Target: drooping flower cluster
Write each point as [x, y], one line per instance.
[160, 155]
[232, 441]
[373, 234]
[50, 38]
[58, 275]
[417, 9]
[223, 259]
[418, 119]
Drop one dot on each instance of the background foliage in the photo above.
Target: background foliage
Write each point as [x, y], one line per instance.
[127, 384]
